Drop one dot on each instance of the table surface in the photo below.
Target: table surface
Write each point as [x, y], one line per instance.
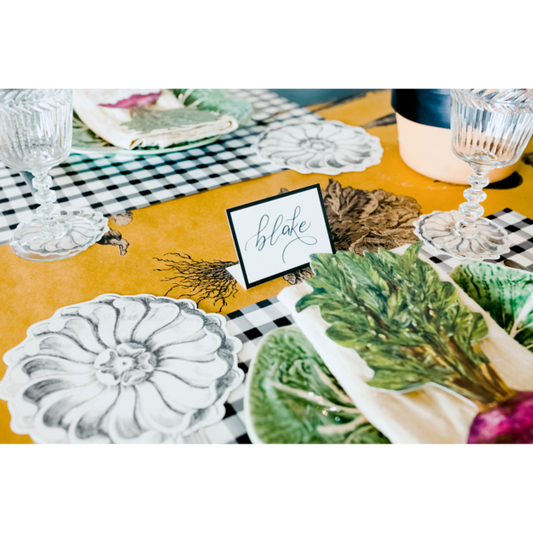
[314, 97]
[197, 226]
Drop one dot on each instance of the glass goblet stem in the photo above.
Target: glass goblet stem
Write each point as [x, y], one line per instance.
[471, 209]
[48, 211]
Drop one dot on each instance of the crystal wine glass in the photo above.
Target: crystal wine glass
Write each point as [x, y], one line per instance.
[490, 129]
[36, 135]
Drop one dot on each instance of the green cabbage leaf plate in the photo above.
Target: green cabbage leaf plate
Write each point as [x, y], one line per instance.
[292, 397]
[505, 293]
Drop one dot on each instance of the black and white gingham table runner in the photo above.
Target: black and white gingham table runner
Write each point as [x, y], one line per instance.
[520, 229]
[251, 323]
[116, 184]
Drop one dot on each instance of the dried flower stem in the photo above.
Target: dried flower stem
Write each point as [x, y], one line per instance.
[199, 280]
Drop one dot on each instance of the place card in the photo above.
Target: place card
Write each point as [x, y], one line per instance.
[276, 236]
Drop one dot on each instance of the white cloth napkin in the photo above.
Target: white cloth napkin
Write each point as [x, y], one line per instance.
[430, 414]
[109, 123]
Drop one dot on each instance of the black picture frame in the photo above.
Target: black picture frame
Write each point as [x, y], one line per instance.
[232, 210]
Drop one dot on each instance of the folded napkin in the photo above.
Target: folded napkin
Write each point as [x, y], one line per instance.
[430, 414]
[129, 118]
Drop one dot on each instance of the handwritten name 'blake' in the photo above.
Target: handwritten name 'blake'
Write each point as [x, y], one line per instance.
[283, 229]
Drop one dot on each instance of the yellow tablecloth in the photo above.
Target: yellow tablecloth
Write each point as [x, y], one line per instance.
[197, 226]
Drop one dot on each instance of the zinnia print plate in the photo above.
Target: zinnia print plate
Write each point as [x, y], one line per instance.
[324, 147]
[121, 369]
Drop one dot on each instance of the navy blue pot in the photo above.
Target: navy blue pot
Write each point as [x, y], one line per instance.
[430, 107]
[424, 136]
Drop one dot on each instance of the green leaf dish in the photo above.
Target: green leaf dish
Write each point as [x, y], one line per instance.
[292, 397]
[215, 100]
[410, 327]
[505, 293]
[206, 98]
[238, 108]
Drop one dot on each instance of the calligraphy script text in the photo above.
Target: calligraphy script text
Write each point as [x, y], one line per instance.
[282, 229]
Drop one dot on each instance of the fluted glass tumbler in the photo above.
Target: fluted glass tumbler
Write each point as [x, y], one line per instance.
[35, 136]
[490, 129]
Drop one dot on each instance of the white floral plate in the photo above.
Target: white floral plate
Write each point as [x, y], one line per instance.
[86, 142]
[323, 147]
[121, 369]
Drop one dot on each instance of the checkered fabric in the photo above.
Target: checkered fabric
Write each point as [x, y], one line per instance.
[251, 323]
[520, 229]
[117, 184]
